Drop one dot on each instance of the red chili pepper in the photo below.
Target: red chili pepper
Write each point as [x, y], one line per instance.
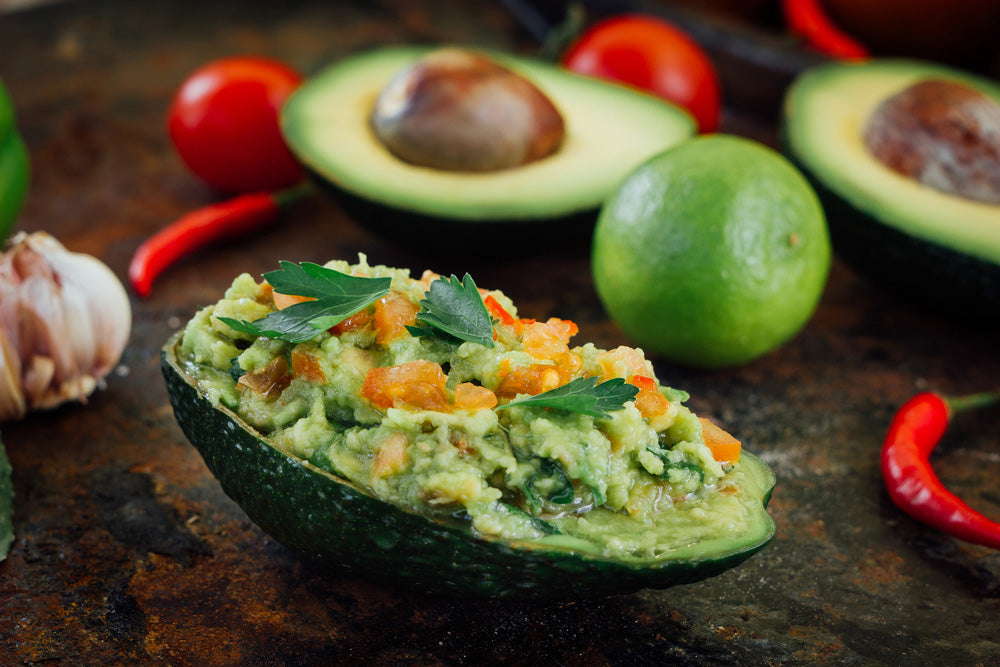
[235, 217]
[910, 479]
[810, 20]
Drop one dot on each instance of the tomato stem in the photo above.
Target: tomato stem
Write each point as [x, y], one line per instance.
[972, 401]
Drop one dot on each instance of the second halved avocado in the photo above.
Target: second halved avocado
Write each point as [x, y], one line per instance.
[609, 129]
[937, 247]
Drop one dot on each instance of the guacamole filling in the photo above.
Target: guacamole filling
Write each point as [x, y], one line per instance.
[455, 429]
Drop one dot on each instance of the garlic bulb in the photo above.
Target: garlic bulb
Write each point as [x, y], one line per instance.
[64, 321]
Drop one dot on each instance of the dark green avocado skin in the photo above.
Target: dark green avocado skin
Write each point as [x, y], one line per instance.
[440, 235]
[927, 274]
[334, 523]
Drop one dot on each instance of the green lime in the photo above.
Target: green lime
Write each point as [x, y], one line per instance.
[712, 253]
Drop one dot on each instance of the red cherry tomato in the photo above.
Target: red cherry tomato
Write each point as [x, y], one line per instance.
[653, 55]
[223, 122]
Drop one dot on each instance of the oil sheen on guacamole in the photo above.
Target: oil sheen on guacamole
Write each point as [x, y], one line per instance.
[422, 422]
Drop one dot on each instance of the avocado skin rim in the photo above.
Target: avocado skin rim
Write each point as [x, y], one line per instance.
[336, 524]
[444, 236]
[925, 273]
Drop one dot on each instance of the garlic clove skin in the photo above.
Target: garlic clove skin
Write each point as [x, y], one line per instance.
[12, 402]
[110, 313]
[65, 319]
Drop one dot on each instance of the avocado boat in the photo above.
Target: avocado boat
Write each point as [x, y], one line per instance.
[939, 247]
[471, 483]
[609, 129]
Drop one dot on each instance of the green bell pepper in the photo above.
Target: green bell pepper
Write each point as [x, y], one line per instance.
[13, 166]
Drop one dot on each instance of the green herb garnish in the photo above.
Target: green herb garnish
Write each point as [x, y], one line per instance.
[583, 395]
[669, 465]
[550, 476]
[453, 309]
[336, 296]
[235, 370]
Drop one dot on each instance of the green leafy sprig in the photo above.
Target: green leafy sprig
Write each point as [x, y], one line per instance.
[336, 296]
[583, 395]
[453, 309]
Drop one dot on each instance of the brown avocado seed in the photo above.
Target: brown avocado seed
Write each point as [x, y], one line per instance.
[459, 111]
[943, 134]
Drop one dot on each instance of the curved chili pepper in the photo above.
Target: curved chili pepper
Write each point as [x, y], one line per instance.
[912, 484]
[808, 19]
[240, 215]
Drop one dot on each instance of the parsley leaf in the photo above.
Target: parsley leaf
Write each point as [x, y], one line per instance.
[453, 309]
[583, 395]
[336, 296]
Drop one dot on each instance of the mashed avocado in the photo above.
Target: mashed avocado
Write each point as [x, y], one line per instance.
[441, 425]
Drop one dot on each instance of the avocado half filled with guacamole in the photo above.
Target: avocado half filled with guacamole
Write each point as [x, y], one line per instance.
[420, 432]
[906, 156]
[446, 146]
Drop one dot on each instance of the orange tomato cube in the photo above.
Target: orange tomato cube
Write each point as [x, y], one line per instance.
[415, 385]
[282, 301]
[393, 313]
[725, 447]
[307, 366]
[391, 457]
[469, 396]
[533, 380]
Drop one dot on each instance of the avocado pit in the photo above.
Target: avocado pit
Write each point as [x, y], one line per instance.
[459, 111]
[942, 134]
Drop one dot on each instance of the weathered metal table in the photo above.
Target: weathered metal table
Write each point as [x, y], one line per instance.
[128, 552]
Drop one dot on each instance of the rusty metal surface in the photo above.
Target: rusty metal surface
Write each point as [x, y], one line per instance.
[127, 551]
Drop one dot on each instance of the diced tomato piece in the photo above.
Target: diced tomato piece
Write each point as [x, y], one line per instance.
[391, 457]
[393, 313]
[649, 401]
[533, 380]
[265, 293]
[506, 327]
[548, 340]
[282, 301]
[725, 447]
[416, 384]
[643, 382]
[269, 380]
[307, 366]
[624, 362]
[498, 312]
[356, 322]
[469, 396]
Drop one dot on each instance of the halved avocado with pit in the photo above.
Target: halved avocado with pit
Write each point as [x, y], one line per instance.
[336, 523]
[938, 247]
[609, 129]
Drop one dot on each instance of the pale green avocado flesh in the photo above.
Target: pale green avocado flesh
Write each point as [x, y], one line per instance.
[609, 130]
